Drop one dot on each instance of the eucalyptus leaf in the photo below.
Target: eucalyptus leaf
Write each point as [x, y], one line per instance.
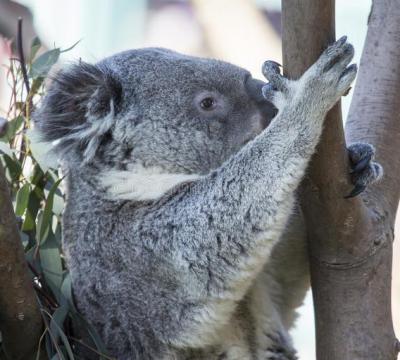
[42, 65]
[58, 204]
[51, 353]
[48, 209]
[51, 264]
[66, 343]
[39, 220]
[13, 168]
[57, 321]
[12, 128]
[35, 46]
[36, 85]
[31, 213]
[41, 152]
[5, 149]
[22, 199]
[66, 291]
[37, 177]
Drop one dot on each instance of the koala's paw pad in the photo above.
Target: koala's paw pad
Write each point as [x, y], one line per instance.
[364, 171]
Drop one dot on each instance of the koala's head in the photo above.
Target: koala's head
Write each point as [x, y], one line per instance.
[151, 113]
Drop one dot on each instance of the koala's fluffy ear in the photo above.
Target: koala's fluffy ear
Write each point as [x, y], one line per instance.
[79, 109]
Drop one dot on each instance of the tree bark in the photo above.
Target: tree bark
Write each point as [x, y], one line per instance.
[20, 319]
[350, 241]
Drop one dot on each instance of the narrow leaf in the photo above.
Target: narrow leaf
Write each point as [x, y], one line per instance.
[12, 128]
[22, 199]
[5, 149]
[48, 210]
[51, 264]
[57, 321]
[42, 65]
[35, 46]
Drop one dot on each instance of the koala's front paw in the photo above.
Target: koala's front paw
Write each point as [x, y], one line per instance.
[277, 90]
[330, 77]
[322, 84]
[364, 171]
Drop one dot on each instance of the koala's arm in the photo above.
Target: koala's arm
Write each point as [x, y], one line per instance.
[218, 232]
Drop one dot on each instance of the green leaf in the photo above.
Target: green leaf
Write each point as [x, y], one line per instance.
[32, 210]
[36, 85]
[51, 264]
[48, 210]
[58, 205]
[22, 199]
[66, 291]
[40, 152]
[37, 177]
[57, 320]
[39, 219]
[56, 228]
[13, 168]
[42, 65]
[35, 46]
[5, 149]
[13, 126]
[50, 349]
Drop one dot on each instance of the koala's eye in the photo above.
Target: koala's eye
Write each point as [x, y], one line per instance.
[207, 103]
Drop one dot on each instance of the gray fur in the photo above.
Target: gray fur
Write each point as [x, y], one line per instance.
[198, 273]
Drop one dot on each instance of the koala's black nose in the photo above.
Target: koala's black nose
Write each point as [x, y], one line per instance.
[253, 89]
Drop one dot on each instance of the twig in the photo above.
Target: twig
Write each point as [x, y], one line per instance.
[21, 56]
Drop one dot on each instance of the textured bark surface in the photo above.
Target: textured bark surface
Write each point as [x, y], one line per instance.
[20, 319]
[350, 241]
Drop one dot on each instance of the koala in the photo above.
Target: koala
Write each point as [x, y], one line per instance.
[181, 229]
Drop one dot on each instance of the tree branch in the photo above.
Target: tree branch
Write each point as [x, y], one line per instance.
[349, 241]
[374, 115]
[20, 319]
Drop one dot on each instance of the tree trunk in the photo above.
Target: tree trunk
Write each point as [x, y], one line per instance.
[20, 319]
[350, 241]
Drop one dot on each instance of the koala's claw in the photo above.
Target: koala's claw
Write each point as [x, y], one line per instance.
[357, 190]
[321, 86]
[364, 171]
